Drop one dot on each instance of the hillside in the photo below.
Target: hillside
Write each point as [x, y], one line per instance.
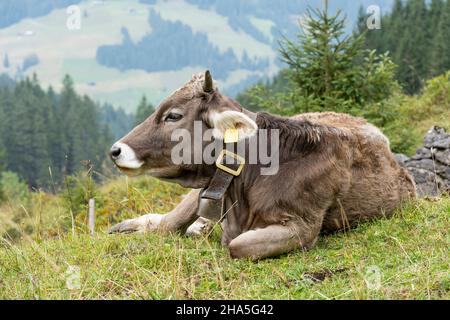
[46, 251]
[128, 48]
[404, 257]
[45, 136]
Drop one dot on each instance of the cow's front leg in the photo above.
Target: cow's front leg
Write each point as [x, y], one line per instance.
[201, 226]
[272, 241]
[184, 214]
[147, 222]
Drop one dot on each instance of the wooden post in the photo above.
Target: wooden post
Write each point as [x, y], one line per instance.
[91, 216]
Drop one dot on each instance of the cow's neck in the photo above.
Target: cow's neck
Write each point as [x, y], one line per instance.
[211, 202]
[295, 136]
[237, 219]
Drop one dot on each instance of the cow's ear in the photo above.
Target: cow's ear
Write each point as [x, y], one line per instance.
[226, 120]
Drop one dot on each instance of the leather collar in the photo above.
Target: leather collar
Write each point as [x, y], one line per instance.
[211, 202]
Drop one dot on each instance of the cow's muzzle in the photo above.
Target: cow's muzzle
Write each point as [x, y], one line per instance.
[124, 157]
[114, 153]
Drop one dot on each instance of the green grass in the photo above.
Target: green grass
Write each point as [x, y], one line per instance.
[409, 252]
[417, 114]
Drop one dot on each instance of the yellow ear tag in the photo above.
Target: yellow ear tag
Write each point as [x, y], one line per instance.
[231, 136]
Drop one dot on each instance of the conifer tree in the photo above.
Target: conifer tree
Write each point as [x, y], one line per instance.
[6, 61]
[440, 51]
[393, 28]
[435, 11]
[416, 33]
[413, 46]
[41, 129]
[332, 71]
[144, 110]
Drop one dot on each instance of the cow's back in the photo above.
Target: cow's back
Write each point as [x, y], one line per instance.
[347, 123]
[378, 184]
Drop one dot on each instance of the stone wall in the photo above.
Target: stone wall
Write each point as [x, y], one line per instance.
[430, 166]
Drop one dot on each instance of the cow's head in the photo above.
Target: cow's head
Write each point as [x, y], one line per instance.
[147, 148]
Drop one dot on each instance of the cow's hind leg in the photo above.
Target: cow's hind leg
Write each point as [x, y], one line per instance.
[270, 241]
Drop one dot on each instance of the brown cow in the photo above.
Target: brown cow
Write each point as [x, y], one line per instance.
[335, 171]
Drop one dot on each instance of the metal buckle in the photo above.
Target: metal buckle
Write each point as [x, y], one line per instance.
[223, 167]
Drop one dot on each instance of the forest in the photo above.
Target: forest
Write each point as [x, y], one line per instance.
[46, 136]
[417, 37]
[157, 52]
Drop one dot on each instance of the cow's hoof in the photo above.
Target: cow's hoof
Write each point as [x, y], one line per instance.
[200, 227]
[148, 222]
[122, 227]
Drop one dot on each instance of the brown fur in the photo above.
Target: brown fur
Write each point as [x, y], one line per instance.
[335, 172]
[336, 178]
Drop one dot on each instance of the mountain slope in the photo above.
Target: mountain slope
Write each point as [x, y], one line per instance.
[123, 51]
[404, 257]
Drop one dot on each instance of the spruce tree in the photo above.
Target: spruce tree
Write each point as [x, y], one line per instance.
[39, 106]
[41, 129]
[144, 110]
[19, 122]
[332, 71]
[70, 143]
[434, 17]
[55, 137]
[6, 63]
[440, 51]
[413, 46]
[416, 33]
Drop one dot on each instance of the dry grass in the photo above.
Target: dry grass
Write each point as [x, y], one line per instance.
[405, 257]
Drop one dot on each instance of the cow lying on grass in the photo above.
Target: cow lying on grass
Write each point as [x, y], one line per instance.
[334, 172]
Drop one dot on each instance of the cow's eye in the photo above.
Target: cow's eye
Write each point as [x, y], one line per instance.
[172, 117]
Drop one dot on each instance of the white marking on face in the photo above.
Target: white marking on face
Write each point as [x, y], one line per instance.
[127, 158]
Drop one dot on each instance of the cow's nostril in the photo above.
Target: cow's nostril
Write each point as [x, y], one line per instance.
[115, 152]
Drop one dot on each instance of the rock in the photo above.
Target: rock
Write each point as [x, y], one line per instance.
[443, 156]
[427, 164]
[442, 143]
[427, 183]
[446, 175]
[422, 153]
[437, 137]
[401, 158]
[430, 166]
